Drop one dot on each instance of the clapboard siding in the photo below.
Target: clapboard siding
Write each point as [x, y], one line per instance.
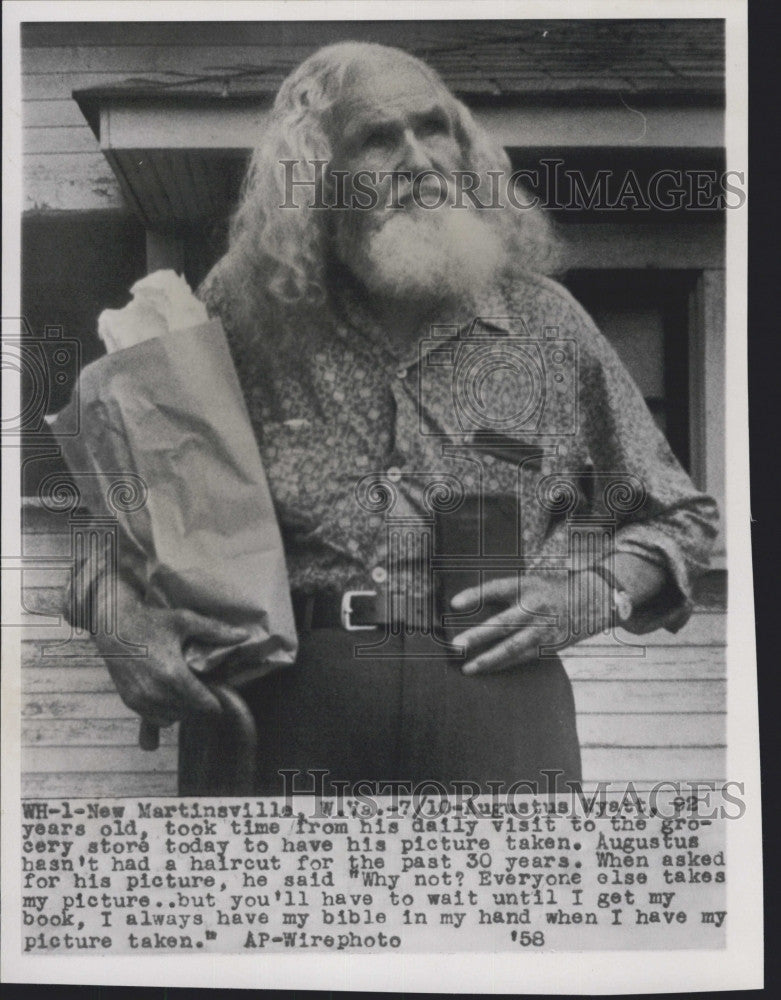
[655, 764]
[56, 784]
[63, 166]
[74, 182]
[657, 715]
[81, 759]
[604, 730]
[59, 113]
[38, 732]
[59, 141]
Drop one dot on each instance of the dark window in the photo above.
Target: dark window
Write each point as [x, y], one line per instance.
[645, 316]
[74, 265]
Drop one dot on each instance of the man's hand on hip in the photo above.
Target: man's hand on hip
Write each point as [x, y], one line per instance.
[513, 636]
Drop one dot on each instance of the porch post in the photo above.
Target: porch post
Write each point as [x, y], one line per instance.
[164, 250]
[707, 390]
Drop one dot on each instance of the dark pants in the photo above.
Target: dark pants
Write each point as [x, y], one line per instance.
[407, 718]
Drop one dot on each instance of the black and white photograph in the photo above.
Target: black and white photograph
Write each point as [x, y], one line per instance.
[370, 541]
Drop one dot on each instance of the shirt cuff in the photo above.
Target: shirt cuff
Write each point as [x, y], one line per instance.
[672, 607]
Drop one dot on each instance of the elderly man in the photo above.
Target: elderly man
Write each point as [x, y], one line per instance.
[434, 416]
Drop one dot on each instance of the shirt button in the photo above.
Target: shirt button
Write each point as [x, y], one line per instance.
[394, 473]
[379, 574]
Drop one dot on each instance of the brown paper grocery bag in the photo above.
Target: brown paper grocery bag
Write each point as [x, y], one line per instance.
[170, 410]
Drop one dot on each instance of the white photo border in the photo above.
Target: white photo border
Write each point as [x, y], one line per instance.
[739, 965]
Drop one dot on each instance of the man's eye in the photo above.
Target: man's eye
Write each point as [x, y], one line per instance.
[435, 125]
[378, 137]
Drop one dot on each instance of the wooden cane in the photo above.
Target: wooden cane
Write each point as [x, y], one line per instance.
[241, 724]
[148, 735]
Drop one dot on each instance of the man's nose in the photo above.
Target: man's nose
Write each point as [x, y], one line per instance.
[415, 156]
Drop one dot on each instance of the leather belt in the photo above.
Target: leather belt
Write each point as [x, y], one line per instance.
[354, 610]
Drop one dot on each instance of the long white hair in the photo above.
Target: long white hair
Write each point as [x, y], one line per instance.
[275, 265]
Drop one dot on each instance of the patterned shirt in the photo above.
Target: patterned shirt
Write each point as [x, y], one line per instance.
[517, 427]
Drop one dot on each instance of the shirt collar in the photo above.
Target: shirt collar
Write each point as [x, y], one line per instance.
[356, 324]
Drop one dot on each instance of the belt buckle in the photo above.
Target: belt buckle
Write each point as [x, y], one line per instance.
[346, 610]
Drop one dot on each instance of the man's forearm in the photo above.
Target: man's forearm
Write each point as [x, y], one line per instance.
[126, 613]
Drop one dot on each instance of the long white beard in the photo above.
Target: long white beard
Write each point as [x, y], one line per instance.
[428, 256]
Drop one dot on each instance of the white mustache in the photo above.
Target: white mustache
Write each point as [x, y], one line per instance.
[421, 253]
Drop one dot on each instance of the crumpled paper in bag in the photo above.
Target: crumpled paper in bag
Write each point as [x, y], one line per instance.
[170, 409]
[162, 301]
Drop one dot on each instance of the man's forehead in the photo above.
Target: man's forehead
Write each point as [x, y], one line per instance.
[386, 85]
